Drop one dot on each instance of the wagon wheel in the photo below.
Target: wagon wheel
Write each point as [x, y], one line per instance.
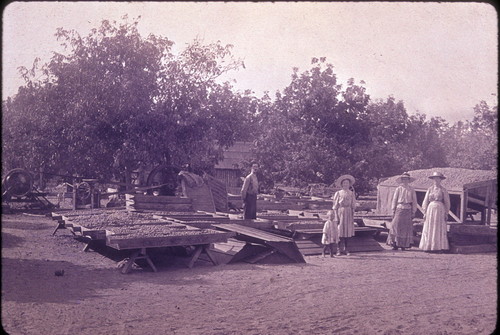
[165, 175]
[17, 183]
[83, 191]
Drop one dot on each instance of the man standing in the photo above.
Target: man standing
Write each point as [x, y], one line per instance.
[249, 193]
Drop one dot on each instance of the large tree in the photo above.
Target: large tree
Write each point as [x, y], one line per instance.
[473, 144]
[313, 128]
[114, 98]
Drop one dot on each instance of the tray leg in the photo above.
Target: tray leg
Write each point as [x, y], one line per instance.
[210, 254]
[88, 244]
[59, 226]
[138, 254]
[196, 254]
[150, 262]
[126, 268]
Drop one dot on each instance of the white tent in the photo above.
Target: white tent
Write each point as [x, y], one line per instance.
[470, 191]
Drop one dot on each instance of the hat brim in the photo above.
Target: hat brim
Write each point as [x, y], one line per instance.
[410, 179]
[339, 180]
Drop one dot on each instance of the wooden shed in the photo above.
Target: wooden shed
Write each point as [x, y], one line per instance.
[228, 170]
[471, 191]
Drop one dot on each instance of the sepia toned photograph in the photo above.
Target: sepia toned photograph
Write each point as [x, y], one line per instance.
[260, 168]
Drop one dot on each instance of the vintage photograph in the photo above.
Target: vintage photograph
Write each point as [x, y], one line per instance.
[260, 168]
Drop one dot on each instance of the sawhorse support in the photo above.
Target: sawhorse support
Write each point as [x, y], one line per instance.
[60, 225]
[138, 254]
[90, 242]
[197, 252]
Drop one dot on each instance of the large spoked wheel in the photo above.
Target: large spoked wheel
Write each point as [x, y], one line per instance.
[165, 175]
[83, 191]
[18, 183]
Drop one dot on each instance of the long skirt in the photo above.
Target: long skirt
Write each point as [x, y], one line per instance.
[250, 204]
[401, 232]
[346, 222]
[434, 235]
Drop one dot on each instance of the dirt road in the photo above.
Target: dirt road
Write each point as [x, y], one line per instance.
[389, 292]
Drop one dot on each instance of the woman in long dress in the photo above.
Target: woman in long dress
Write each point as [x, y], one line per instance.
[404, 206]
[436, 206]
[344, 203]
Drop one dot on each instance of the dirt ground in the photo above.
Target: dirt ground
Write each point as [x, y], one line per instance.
[388, 292]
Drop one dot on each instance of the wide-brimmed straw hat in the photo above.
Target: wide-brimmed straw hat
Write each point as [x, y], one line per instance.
[405, 175]
[340, 179]
[436, 174]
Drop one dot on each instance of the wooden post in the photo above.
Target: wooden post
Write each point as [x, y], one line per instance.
[463, 205]
[128, 179]
[74, 195]
[40, 181]
[488, 204]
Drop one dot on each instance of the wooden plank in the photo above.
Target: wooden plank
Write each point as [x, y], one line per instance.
[320, 230]
[277, 217]
[219, 193]
[472, 229]
[478, 184]
[195, 219]
[267, 205]
[230, 247]
[202, 198]
[454, 216]
[187, 216]
[475, 200]
[471, 249]
[248, 250]
[459, 239]
[289, 249]
[163, 207]
[252, 232]
[163, 199]
[260, 256]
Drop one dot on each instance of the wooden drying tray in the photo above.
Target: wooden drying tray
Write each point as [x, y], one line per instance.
[199, 238]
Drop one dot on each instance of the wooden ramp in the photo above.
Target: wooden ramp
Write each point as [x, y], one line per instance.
[158, 203]
[313, 246]
[219, 193]
[262, 246]
[309, 241]
[201, 197]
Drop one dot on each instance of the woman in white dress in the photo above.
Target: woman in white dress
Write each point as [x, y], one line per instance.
[344, 203]
[436, 206]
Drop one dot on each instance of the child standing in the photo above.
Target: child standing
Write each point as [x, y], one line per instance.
[330, 233]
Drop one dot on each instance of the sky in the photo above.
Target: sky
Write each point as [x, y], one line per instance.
[441, 59]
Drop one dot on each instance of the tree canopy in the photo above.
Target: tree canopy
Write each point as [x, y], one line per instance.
[114, 99]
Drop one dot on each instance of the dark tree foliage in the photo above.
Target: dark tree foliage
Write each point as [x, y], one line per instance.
[314, 129]
[114, 99]
[473, 144]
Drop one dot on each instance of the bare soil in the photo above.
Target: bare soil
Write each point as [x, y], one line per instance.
[388, 292]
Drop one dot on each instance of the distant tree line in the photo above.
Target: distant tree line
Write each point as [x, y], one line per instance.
[115, 99]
